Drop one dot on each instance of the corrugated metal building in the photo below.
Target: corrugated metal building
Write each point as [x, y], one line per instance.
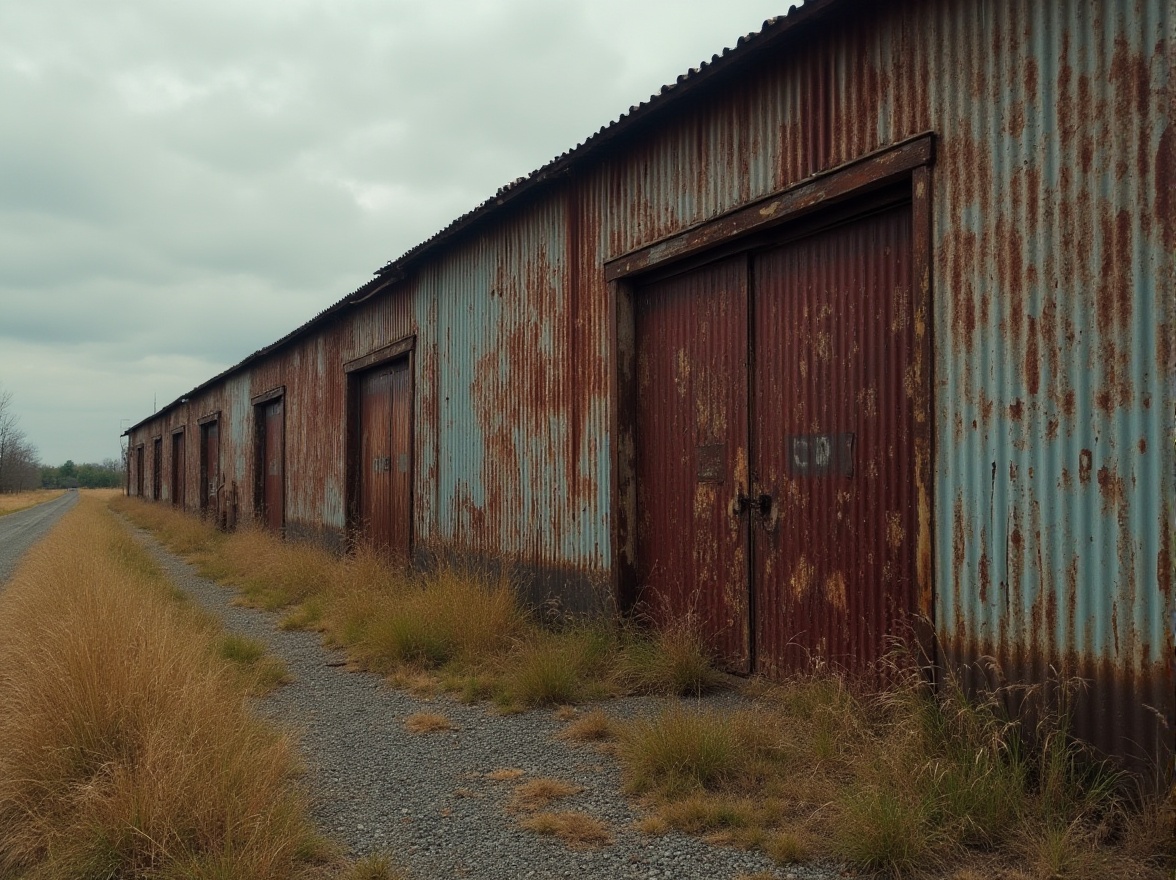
[866, 320]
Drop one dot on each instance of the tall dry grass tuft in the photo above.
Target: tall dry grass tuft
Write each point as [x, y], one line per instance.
[126, 748]
[899, 781]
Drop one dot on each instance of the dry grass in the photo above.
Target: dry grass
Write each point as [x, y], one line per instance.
[260, 671]
[896, 782]
[427, 722]
[464, 629]
[578, 830]
[536, 794]
[125, 745]
[593, 727]
[11, 502]
[375, 867]
[505, 774]
[653, 826]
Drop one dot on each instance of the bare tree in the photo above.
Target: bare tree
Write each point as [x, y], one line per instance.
[19, 465]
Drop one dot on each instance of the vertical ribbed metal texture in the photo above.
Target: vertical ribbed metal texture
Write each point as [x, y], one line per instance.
[833, 446]
[1053, 244]
[692, 454]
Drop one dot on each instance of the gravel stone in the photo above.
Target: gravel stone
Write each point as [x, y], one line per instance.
[425, 800]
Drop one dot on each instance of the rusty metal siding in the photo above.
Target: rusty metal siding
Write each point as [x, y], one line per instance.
[514, 424]
[1054, 470]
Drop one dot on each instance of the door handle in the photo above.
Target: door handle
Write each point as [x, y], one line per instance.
[759, 504]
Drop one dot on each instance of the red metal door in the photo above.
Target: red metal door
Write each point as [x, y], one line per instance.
[157, 469]
[375, 457]
[833, 445]
[274, 470]
[385, 457]
[209, 466]
[400, 536]
[692, 539]
[177, 474]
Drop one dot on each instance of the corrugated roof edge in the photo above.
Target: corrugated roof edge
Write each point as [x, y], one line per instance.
[745, 48]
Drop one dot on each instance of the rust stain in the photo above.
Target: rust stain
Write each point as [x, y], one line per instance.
[1165, 193]
[984, 576]
[894, 530]
[1085, 464]
[1110, 487]
[1032, 357]
[1142, 445]
[801, 579]
[1016, 410]
[835, 591]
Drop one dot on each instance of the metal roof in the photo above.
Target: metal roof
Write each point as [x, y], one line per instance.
[773, 31]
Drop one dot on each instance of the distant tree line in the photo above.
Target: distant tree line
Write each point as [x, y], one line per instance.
[105, 475]
[20, 467]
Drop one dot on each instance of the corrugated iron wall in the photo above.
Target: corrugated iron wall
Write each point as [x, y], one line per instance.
[1052, 325]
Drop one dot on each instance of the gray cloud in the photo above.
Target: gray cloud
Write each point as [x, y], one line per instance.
[229, 169]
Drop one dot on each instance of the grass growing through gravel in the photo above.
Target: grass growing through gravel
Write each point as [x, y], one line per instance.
[427, 722]
[464, 631]
[897, 782]
[578, 830]
[126, 748]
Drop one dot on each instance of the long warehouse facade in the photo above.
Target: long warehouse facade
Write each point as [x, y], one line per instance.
[863, 329]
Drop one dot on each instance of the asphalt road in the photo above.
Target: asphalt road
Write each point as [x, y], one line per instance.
[21, 530]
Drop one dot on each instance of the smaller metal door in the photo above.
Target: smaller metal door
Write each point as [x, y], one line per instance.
[401, 453]
[178, 468]
[140, 489]
[273, 465]
[157, 468]
[375, 457]
[384, 467]
[209, 465]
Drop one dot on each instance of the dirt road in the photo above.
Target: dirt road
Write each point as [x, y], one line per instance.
[20, 530]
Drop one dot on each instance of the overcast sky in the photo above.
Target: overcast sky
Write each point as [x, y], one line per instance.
[183, 183]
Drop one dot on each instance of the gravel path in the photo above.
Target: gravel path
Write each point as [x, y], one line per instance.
[20, 530]
[425, 799]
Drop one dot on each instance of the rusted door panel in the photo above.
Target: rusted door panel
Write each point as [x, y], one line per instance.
[178, 470]
[209, 466]
[385, 457]
[400, 535]
[139, 470]
[692, 453]
[157, 468]
[375, 457]
[834, 445]
[273, 454]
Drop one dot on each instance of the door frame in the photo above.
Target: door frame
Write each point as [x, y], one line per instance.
[205, 424]
[179, 469]
[404, 347]
[909, 163]
[259, 403]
